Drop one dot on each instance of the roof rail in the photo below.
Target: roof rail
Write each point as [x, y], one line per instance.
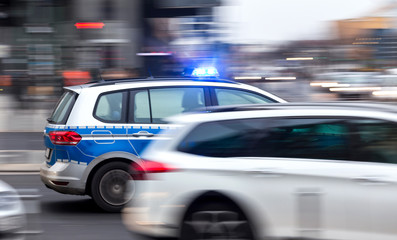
[128, 80]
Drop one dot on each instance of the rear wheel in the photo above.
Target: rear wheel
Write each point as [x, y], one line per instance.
[215, 221]
[109, 185]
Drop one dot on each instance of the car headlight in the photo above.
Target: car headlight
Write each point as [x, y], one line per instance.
[8, 200]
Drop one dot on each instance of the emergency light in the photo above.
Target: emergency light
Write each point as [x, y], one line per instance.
[205, 72]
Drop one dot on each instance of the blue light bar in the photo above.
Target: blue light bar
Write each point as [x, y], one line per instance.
[205, 72]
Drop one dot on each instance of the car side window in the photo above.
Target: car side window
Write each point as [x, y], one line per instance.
[110, 107]
[166, 102]
[376, 140]
[290, 138]
[231, 138]
[305, 138]
[227, 96]
[153, 105]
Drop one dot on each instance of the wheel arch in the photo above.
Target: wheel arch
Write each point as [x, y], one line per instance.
[222, 197]
[104, 159]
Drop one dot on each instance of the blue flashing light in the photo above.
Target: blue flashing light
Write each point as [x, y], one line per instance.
[205, 72]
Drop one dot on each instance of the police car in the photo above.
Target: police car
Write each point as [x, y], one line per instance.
[98, 129]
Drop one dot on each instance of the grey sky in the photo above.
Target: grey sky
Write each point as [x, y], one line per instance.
[280, 20]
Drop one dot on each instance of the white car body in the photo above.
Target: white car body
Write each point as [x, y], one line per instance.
[12, 213]
[280, 197]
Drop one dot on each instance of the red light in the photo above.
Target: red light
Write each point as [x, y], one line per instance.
[157, 167]
[87, 25]
[64, 138]
[139, 172]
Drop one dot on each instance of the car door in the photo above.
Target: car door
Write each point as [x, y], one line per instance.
[341, 174]
[149, 106]
[308, 159]
[376, 156]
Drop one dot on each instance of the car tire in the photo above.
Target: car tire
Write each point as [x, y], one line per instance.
[215, 221]
[109, 185]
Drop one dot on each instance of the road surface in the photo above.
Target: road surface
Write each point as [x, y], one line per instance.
[66, 217]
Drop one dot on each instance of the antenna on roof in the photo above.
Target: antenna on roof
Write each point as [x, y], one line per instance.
[150, 73]
[100, 75]
[96, 76]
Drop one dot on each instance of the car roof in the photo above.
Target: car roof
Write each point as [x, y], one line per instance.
[107, 82]
[120, 84]
[372, 106]
[325, 108]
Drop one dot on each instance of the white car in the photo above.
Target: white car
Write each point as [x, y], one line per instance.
[307, 171]
[12, 213]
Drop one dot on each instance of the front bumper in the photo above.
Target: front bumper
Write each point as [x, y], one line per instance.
[137, 224]
[11, 224]
[57, 175]
[152, 214]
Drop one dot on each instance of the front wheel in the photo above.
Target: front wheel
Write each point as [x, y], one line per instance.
[109, 185]
[216, 221]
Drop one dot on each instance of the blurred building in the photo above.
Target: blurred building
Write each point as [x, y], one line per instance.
[371, 38]
[115, 30]
[42, 41]
[177, 34]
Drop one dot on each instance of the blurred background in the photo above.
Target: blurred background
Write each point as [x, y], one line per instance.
[301, 50]
[306, 50]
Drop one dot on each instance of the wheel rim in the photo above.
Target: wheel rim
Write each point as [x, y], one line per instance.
[216, 225]
[112, 187]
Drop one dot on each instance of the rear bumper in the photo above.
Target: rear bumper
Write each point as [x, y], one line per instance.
[64, 177]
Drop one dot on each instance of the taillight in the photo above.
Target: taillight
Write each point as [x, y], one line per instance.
[138, 172]
[157, 167]
[64, 137]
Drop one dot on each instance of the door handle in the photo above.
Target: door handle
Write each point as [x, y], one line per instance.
[264, 172]
[371, 180]
[143, 134]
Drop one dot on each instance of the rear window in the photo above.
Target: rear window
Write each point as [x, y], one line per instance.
[63, 108]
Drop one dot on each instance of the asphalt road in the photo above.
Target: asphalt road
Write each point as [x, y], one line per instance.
[65, 217]
[21, 141]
